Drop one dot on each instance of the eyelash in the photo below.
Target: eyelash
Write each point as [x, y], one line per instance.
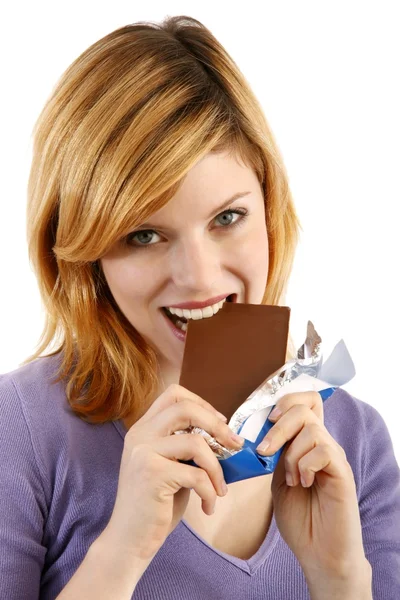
[238, 211]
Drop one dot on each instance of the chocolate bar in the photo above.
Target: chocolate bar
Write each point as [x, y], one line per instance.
[228, 355]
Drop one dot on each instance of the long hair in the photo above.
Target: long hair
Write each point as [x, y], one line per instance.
[122, 127]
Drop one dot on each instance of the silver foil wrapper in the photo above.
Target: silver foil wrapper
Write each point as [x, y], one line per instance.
[307, 361]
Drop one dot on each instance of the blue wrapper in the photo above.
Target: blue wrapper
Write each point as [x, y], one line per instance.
[306, 372]
[247, 462]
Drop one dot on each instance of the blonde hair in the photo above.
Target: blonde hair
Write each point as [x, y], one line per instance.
[124, 124]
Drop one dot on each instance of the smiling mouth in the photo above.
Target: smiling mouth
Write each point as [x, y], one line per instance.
[181, 322]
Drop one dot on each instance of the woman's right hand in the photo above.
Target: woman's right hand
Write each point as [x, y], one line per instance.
[153, 487]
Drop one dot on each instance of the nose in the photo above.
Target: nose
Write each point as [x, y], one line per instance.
[195, 265]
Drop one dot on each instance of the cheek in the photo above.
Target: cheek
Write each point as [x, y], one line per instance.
[253, 250]
[251, 261]
[257, 265]
[128, 285]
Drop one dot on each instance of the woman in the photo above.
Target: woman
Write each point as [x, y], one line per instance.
[156, 181]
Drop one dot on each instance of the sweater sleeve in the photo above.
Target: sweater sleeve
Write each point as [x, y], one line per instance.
[379, 505]
[23, 508]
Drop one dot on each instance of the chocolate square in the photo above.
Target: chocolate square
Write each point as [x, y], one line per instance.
[228, 355]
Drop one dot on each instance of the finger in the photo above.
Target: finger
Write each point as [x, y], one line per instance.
[312, 435]
[310, 399]
[324, 459]
[193, 447]
[186, 476]
[184, 414]
[176, 393]
[289, 425]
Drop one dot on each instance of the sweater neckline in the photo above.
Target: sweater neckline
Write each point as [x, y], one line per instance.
[251, 565]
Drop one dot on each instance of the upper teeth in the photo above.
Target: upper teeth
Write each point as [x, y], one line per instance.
[197, 313]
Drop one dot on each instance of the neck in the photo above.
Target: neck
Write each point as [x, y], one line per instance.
[167, 376]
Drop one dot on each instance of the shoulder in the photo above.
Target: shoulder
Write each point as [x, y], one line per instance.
[35, 412]
[35, 372]
[33, 387]
[34, 409]
[28, 413]
[343, 411]
[351, 419]
[363, 434]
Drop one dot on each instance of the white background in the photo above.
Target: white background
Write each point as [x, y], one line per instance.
[327, 76]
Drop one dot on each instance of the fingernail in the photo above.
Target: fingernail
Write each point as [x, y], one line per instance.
[222, 417]
[275, 413]
[289, 479]
[263, 447]
[237, 438]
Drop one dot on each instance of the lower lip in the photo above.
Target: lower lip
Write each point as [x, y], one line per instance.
[179, 333]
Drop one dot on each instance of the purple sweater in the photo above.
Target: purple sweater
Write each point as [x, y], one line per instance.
[58, 483]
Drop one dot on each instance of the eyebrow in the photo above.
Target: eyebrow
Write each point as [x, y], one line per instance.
[228, 202]
[215, 210]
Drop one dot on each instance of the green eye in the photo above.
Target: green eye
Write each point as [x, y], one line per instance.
[135, 235]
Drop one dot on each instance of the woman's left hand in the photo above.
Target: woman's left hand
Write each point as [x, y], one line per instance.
[314, 492]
